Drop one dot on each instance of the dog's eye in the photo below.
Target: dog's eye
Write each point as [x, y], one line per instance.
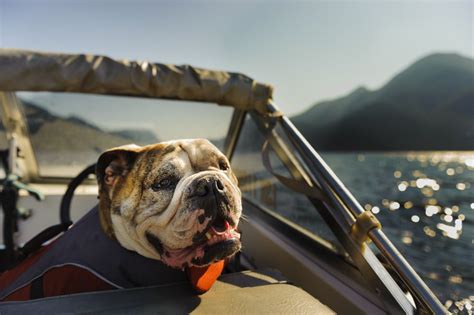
[165, 183]
[223, 165]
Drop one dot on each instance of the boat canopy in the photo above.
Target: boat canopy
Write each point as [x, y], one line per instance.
[22, 70]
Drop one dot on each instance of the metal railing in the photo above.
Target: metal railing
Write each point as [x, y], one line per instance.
[343, 201]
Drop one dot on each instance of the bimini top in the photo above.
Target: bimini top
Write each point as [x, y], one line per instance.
[22, 70]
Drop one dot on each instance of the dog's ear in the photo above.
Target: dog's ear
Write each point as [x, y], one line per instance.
[112, 166]
[115, 163]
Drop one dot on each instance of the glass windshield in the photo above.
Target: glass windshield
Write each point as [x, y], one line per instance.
[68, 131]
[261, 187]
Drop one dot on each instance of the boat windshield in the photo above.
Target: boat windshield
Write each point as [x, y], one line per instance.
[260, 187]
[68, 131]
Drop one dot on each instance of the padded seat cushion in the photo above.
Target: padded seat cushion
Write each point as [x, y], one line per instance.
[237, 293]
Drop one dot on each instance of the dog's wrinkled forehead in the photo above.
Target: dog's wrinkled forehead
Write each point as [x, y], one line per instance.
[197, 154]
[202, 154]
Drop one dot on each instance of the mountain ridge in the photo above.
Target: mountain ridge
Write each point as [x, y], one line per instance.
[427, 106]
[72, 139]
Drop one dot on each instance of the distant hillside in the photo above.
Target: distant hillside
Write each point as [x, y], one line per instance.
[72, 140]
[137, 136]
[428, 106]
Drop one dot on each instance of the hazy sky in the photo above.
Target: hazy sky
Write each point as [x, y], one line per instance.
[308, 50]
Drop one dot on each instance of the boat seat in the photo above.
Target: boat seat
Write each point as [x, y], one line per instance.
[248, 292]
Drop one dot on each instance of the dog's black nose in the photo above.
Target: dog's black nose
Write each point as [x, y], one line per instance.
[206, 186]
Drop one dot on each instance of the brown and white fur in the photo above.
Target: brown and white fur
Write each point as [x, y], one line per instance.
[175, 201]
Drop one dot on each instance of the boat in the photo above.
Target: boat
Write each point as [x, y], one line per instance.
[282, 268]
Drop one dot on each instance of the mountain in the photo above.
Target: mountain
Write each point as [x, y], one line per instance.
[428, 106]
[137, 136]
[72, 140]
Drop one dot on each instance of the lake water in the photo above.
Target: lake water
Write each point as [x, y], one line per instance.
[424, 201]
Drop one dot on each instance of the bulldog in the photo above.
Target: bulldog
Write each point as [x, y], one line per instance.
[175, 201]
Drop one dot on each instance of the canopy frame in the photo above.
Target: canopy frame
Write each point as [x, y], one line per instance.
[23, 70]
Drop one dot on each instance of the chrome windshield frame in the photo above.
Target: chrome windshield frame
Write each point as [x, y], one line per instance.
[378, 279]
[340, 214]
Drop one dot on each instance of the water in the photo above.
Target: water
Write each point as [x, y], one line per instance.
[425, 202]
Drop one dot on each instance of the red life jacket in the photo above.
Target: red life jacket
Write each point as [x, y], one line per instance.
[84, 259]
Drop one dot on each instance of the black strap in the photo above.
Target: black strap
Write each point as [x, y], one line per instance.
[36, 288]
[47, 234]
[65, 207]
[295, 185]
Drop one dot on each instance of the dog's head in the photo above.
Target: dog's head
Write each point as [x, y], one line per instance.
[175, 201]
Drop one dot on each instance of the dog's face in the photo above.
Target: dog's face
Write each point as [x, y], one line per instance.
[176, 201]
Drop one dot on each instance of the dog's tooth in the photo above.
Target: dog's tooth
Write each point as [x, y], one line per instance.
[208, 235]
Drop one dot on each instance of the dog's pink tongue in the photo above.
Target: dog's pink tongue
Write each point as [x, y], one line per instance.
[179, 258]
